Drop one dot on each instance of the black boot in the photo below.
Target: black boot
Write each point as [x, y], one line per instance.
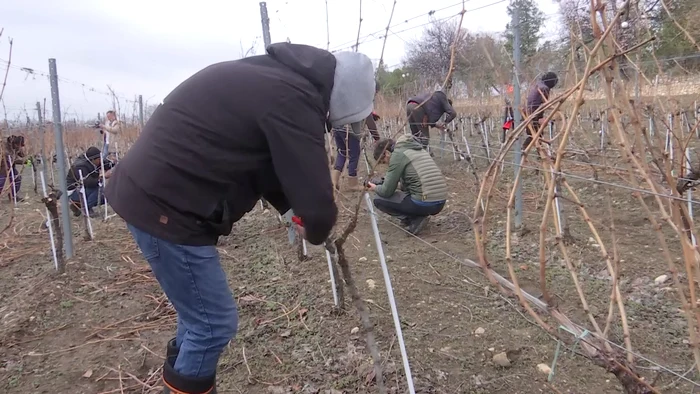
[171, 352]
[418, 224]
[75, 208]
[175, 383]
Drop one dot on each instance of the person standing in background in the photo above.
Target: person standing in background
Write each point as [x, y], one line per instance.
[428, 115]
[110, 129]
[349, 148]
[537, 96]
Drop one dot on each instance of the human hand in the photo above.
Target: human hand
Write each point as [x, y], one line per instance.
[299, 226]
[371, 186]
[108, 174]
[440, 125]
[300, 230]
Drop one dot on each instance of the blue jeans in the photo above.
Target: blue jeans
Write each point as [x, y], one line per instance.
[195, 283]
[91, 195]
[352, 152]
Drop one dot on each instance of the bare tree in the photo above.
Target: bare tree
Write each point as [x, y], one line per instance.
[486, 62]
[429, 56]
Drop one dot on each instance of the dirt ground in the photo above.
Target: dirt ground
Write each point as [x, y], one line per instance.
[102, 326]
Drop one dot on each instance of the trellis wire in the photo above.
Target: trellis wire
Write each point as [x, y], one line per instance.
[589, 163]
[598, 181]
[583, 329]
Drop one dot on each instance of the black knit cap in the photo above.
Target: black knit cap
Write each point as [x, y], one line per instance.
[92, 153]
[550, 79]
[381, 146]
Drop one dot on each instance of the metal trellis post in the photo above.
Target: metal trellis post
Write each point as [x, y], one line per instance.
[61, 159]
[140, 112]
[518, 146]
[265, 24]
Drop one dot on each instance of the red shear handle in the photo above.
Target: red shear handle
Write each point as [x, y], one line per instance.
[297, 220]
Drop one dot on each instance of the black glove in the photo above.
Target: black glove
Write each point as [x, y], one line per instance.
[376, 181]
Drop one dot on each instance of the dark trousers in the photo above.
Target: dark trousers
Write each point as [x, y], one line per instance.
[400, 204]
[92, 194]
[348, 148]
[418, 121]
[531, 128]
[7, 178]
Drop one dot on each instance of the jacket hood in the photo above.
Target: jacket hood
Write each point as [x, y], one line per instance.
[407, 142]
[354, 87]
[314, 64]
[82, 161]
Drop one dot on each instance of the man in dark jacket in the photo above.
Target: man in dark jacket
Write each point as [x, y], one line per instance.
[428, 115]
[232, 133]
[537, 96]
[424, 190]
[88, 164]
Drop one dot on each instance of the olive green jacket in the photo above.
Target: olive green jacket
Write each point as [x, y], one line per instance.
[411, 165]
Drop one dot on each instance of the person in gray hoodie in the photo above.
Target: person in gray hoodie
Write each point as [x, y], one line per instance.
[230, 134]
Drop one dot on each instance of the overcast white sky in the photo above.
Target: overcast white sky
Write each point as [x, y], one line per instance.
[148, 47]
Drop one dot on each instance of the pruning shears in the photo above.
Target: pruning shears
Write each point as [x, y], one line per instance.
[289, 218]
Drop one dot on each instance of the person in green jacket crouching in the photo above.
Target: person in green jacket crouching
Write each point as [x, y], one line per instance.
[422, 191]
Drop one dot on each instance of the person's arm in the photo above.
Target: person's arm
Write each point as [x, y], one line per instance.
[91, 179]
[295, 136]
[448, 109]
[278, 200]
[397, 165]
[72, 177]
[545, 93]
[112, 128]
[372, 126]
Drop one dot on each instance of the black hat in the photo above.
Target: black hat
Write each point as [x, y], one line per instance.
[381, 146]
[93, 153]
[550, 79]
